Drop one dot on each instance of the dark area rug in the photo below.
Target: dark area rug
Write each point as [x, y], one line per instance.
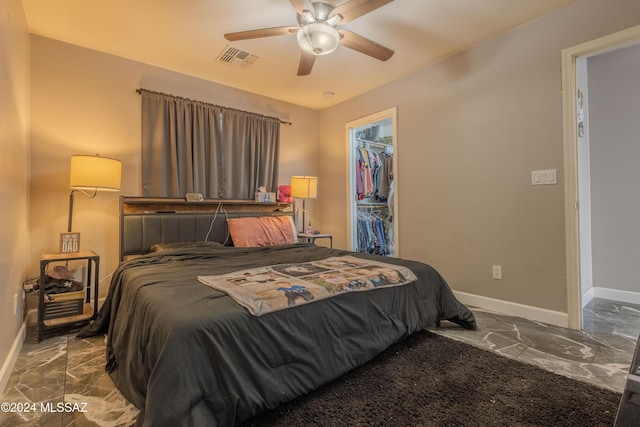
[430, 380]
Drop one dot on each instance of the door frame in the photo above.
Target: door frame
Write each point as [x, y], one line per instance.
[350, 127]
[570, 57]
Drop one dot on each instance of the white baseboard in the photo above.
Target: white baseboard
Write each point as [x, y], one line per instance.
[617, 295]
[10, 362]
[587, 297]
[537, 314]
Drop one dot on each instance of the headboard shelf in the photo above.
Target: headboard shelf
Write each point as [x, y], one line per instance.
[152, 205]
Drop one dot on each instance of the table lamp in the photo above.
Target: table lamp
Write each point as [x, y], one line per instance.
[304, 187]
[93, 173]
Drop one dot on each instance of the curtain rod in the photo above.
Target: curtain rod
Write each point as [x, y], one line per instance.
[140, 90]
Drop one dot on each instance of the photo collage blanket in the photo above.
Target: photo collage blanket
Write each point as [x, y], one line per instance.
[266, 289]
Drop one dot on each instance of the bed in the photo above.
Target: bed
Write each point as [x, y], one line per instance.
[188, 354]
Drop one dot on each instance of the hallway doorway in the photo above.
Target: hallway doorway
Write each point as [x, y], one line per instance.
[576, 166]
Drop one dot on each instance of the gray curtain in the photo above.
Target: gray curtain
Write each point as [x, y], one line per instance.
[194, 147]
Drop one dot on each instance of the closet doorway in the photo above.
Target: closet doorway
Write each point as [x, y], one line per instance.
[373, 185]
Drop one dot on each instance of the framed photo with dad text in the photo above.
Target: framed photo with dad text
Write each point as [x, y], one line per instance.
[69, 243]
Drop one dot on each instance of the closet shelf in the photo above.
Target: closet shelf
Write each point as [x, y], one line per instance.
[375, 143]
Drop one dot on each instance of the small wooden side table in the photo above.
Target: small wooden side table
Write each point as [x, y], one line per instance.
[67, 310]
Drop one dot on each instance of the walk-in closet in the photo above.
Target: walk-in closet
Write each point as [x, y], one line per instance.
[372, 186]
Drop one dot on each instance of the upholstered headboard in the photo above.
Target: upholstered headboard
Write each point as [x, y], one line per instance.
[147, 221]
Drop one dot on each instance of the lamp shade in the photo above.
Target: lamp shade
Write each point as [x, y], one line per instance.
[95, 173]
[304, 187]
[318, 38]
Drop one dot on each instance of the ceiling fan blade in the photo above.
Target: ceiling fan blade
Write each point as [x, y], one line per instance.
[306, 64]
[262, 32]
[356, 8]
[302, 5]
[364, 45]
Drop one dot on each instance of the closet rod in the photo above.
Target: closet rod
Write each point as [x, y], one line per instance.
[372, 205]
[140, 90]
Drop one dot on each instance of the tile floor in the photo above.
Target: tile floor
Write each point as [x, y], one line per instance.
[71, 370]
[599, 354]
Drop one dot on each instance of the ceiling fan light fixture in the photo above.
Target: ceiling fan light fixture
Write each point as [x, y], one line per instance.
[318, 39]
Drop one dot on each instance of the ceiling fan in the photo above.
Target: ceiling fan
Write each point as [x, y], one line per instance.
[317, 33]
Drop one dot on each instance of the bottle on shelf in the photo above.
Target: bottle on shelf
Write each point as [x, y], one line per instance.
[309, 229]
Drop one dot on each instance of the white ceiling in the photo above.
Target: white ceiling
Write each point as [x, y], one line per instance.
[187, 35]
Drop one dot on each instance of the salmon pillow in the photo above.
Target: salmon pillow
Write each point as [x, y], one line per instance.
[262, 231]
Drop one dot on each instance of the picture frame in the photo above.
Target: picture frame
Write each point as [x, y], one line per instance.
[69, 243]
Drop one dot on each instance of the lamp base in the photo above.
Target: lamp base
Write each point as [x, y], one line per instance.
[70, 211]
[304, 209]
[295, 218]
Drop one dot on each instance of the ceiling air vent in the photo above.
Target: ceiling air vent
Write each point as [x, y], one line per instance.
[236, 57]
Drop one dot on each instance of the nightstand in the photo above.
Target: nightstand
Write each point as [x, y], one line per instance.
[311, 238]
[67, 310]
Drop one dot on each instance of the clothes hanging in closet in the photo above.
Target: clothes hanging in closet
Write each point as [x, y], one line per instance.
[390, 235]
[385, 177]
[373, 174]
[371, 233]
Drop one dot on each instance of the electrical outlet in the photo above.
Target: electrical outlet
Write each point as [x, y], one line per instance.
[497, 272]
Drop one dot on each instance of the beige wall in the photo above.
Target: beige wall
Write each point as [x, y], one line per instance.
[14, 168]
[84, 102]
[471, 129]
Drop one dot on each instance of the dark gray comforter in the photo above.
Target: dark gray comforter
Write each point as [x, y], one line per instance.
[189, 355]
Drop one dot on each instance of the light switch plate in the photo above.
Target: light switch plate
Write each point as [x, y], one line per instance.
[544, 177]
